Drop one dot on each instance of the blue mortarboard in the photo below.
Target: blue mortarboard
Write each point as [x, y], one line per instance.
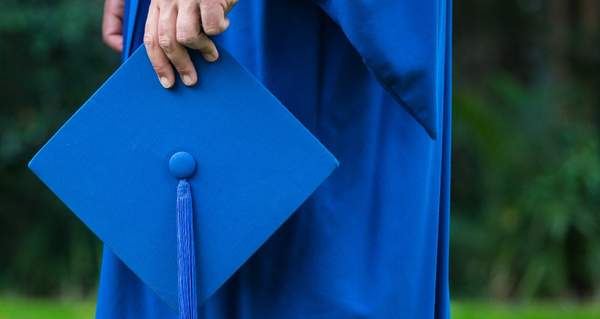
[125, 162]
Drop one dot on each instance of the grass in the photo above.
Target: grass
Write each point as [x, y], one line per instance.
[487, 310]
[21, 308]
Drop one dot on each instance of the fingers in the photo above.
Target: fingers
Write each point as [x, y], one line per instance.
[159, 60]
[213, 16]
[173, 25]
[112, 24]
[190, 35]
[176, 52]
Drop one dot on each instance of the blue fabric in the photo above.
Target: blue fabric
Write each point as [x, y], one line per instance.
[372, 80]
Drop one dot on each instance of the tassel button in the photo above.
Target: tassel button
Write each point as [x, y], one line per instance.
[182, 165]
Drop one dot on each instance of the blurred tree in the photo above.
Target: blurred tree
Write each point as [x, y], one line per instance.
[51, 58]
[526, 154]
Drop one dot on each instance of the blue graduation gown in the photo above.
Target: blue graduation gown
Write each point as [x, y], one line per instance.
[372, 80]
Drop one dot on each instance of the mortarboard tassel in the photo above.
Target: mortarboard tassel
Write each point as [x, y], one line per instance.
[182, 166]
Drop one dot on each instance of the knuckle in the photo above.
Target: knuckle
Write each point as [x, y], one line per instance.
[165, 3]
[213, 27]
[182, 69]
[208, 3]
[185, 37]
[166, 43]
[160, 69]
[149, 41]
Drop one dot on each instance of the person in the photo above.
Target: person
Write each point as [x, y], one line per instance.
[372, 81]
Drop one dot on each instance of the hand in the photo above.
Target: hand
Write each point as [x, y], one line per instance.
[173, 25]
[112, 24]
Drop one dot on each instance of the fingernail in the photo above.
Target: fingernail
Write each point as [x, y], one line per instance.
[165, 82]
[212, 57]
[187, 80]
[225, 24]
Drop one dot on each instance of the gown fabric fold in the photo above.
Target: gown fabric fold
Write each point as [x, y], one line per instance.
[372, 81]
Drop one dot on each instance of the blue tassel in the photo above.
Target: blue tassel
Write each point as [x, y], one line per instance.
[186, 256]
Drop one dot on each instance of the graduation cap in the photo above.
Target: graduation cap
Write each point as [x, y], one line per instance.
[129, 162]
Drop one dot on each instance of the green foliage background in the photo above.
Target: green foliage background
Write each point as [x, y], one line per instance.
[526, 166]
[51, 59]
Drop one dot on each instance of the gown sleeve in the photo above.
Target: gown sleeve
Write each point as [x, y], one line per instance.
[403, 43]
